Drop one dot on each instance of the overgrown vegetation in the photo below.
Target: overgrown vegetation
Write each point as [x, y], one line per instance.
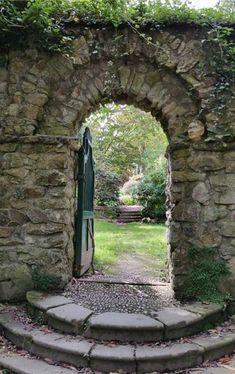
[46, 19]
[44, 22]
[207, 269]
[44, 281]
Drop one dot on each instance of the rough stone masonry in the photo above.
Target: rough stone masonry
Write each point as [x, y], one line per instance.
[44, 99]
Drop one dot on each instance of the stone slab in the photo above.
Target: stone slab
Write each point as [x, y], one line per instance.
[15, 332]
[206, 310]
[177, 356]
[22, 365]
[113, 359]
[45, 302]
[60, 348]
[216, 346]
[68, 318]
[124, 327]
[178, 322]
[212, 370]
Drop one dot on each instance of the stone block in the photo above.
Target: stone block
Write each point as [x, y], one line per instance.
[178, 356]
[201, 193]
[179, 322]
[187, 176]
[216, 346]
[23, 365]
[43, 302]
[186, 211]
[56, 347]
[124, 73]
[113, 359]
[51, 178]
[228, 229]
[124, 327]
[206, 162]
[213, 213]
[69, 318]
[225, 198]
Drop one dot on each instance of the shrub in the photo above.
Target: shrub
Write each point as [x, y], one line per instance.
[202, 283]
[127, 200]
[107, 188]
[151, 191]
[44, 281]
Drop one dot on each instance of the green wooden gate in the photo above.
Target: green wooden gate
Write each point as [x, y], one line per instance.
[84, 238]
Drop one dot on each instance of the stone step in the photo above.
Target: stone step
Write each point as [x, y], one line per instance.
[20, 365]
[81, 352]
[130, 214]
[129, 217]
[128, 220]
[65, 316]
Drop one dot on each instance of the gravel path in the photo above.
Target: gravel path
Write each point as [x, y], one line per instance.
[146, 294]
[109, 297]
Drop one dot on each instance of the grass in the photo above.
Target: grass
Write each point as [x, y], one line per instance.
[112, 240]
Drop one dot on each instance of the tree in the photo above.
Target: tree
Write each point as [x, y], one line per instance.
[125, 138]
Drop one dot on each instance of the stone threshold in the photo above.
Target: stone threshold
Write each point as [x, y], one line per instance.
[131, 358]
[172, 323]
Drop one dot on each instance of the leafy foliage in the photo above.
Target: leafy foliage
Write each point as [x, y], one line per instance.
[107, 188]
[151, 191]
[43, 24]
[45, 20]
[125, 138]
[44, 281]
[202, 282]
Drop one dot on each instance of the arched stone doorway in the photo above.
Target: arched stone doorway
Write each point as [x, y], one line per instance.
[44, 101]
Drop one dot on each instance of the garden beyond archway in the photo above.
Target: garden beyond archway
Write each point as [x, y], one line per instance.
[44, 99]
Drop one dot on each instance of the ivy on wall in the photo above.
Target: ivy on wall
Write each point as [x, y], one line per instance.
[44, 22]
[46, 19]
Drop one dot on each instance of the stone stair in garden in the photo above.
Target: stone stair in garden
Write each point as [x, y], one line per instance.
[112, 341]
[129, 214]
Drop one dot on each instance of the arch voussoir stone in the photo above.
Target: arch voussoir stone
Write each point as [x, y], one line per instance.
[44, 100]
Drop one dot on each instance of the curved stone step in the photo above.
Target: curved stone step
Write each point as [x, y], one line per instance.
[21, 365]
[167, 324]
[81, 352]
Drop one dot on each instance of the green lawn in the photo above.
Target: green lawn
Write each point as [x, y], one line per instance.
[112, 240]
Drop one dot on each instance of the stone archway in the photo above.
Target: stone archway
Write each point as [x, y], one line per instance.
[44, 99]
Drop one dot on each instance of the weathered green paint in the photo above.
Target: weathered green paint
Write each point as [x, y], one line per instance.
[84, 243]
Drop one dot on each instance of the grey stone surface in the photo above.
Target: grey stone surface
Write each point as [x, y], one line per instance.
[213, 370]
[124, 327]
[37, 153]
[216, 346]
[178, 322]
[206, 309]
[178, 356]
[61, 348]
[45, 302]
[113, 359]
[68, 318]
[22, 365]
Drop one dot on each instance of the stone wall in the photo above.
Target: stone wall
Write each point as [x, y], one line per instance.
[44, 100]
[37, 212]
